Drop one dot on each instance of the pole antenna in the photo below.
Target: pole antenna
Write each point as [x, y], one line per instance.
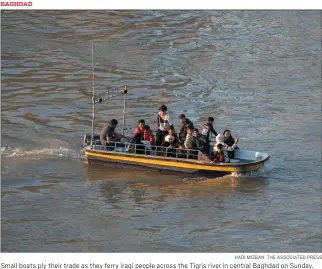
[93, 98]
[124, 108]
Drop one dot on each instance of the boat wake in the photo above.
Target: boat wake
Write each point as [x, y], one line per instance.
[39, 154]
[261, 172]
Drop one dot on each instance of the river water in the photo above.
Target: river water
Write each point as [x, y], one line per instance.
[257, 73]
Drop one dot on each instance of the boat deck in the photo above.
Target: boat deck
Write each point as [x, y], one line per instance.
[240, 161]
[151, 153]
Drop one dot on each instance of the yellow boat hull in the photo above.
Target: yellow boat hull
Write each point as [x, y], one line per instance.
[184, 165]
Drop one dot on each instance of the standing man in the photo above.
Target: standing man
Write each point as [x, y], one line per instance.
[184, 124]
[207, 130]
[164, 123]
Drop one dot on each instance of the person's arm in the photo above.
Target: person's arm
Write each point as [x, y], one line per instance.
[169, 121]
[184, 132]
[187, 142]
[158, 120]
[176, 141]
[109, 135]
[228, 148]
[181, 133]
[118, 136]
[152, 140]
[236, 141]
[196, 142]
[213, 130]
[136, 131]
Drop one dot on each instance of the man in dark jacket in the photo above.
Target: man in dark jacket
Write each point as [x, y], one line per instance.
[200, 140]
[207, 130]
[184, 124]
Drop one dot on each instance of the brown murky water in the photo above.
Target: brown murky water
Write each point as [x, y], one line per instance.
[257, 73]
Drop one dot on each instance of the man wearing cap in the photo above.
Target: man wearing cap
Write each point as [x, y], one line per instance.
[164, 123]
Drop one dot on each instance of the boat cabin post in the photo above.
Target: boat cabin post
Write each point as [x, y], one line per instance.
[93, 98]
[124, 108]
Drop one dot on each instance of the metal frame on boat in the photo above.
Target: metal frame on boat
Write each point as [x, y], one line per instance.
[174, 159]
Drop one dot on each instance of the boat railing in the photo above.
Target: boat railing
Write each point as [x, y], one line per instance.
[129, 130]
[151, 150]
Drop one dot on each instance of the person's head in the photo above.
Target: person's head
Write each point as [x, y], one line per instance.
[147, 127]
[141, 124]
[113, 123]
[163, 109]
[195, 132]
[226, 134]
[171, 131]
[182, 118]
[211, 120]
[219, 147]
[189, 130]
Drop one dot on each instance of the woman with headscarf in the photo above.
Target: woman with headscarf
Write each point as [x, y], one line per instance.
[229, 141]
[220, 139]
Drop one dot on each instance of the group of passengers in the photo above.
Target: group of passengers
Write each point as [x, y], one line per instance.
[188, 138]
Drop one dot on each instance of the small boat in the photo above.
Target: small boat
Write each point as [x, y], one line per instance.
[170, 159]
[164, 158]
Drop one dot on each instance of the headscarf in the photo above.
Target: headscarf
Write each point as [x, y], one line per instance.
[220, 140]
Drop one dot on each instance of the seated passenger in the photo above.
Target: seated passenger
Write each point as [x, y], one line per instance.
[199, 140]
[138, 136]
[139, 132]
[229, 141]
[220, 140]
[189, 142]
[219, 155]
[108, 136]
[184, 124]
[164, 123]
[148, 135]
[171, 141]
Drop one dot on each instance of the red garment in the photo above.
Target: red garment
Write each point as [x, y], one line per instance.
[148, 135]
[220, 158]
[138, 131]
